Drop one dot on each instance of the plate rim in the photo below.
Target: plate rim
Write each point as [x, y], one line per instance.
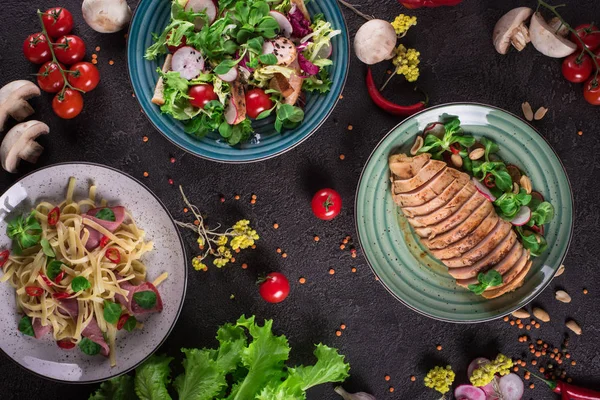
[249, 160]
[526, 301]
[185, 279]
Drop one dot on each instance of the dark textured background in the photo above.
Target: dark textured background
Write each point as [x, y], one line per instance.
[382, 336]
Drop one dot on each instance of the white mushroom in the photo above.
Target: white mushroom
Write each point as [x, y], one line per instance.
[13, 100]
[511, 29]
[546, 41]
[106, 16]
[19, 144]
[375, 41]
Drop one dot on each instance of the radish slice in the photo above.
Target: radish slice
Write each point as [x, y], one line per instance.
[188, 62]
[489, 390]
[522, 217]
[484, 190]
[468, 392]
[208, 6]
[511, 387]
[230, 76]
[537, 196]
[476, 363]
[231, 113]
[268, 47]
[284, 24]
[325, 51]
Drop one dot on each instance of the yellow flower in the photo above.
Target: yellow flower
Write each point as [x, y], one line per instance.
[406, 62]
[220, 262]
[200, 241]
[440, 379]
[241, 226]
[402, 23]
[485, 373]
[222, 240]
[198, 264]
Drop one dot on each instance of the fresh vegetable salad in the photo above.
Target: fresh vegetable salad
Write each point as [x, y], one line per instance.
[232, 61]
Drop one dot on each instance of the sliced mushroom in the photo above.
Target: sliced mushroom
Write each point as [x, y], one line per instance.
[511, 29]
[546, 41]
[19, 144]
[375, 41]
[13, 100]
[559, 28]
[106, 16]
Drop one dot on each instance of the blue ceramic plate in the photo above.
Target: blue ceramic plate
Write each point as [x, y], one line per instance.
[403, 265]
[153, 15]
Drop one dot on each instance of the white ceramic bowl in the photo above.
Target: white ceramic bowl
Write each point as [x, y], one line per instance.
[44, 357]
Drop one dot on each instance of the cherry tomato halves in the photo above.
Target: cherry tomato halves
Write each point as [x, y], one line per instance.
[36, 48]
[274, 288]
[58, 21]
[69, 49]
[67, 105]
[201, 94]
[591, 91]
[257, 101]
[326, 204]
[65, 344]
[49, 78]
[577, 67]
[589, 34]
[83, 76]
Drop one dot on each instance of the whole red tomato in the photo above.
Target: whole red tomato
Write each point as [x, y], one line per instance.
[67, 105]
[58, 21]
[591, 91]
[201, 94]
[49, 78]
[83, 76]
[589, 34]
[577, 67]
[274, 288]
[37, 49]
[326, 204]
[257, 101]
[69, 49]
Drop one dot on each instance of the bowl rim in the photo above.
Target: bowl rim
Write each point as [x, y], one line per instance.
[345, 67]
[185, 279]
[521, 304]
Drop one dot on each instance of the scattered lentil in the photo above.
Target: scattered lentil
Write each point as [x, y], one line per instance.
[353, 269]
[585, 291]
[170, 181]
[146, 174]
[342, 247]
[317, 239]
[387, 377]
[284, 255]
[222, 199]
[531, 386]
[185, 209]
[573, 362]
[391, 389]
[244, 266]
[278, 250]
[580, 133]
[413, 378]
[343, 326]
[253, 201]
[145, 139]
[439, 347]
[97, 48]
[533, 362]
[111, 62]
[237, 197]
[331, 271]
[338, 333]
[232, 259]
[275, 225]
[94, 56]
[253, 197]
[342, 156]
[350, 127]
[172, 159]
[302, 281]
[505, 319]
[94, 61]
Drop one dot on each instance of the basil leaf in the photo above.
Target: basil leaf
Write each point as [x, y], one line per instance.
[489, 279]
[47, 248]
[130, 324]
[80, 283]
[106, 214]
[89, 347]
[53, 268]
[25, 326]
[268, 59]
[145, 299]
[503, 180]
[112, 312]
[224, 67]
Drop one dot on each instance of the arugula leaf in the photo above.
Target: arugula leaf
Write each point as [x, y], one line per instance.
[152, 377]
[46, 248]
[26, 232]
[89, 347]
[112, 312]
[489, 279]
[80, 283]
[145, 299]
[25, 326]
[542, 214]
[120, 388]
[130, 324]
[106, 214]
[53, 268]
[202, 379]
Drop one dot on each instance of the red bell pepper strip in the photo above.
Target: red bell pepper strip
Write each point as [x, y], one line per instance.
[4, 257]
[387, 105]
[46, 280]
[113, 255]
[54, 216]
[34, 291]
[428, 3]
[65, 344]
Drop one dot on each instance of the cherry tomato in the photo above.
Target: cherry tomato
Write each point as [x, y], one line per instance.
[49, 78]
[58, 21]
[173, 49]
[37, 49]
[591, 91]
[577, 67]
[274, 288]
[257, 101]
[65, 344]
[326, 204]
[201, 94]
[69, 49]
[83, 76]
[67, 105]
[589, 34]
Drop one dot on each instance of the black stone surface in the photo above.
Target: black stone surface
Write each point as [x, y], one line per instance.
[382, 336]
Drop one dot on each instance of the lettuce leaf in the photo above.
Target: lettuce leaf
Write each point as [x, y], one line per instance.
[202, 379]
[120, 388]
[152, 377]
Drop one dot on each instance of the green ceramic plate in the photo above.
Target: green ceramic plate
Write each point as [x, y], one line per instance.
[393, 251]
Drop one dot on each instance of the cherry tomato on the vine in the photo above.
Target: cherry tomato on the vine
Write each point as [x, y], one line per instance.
[591, 91]
[37, 49]
[274, 288]
[67, 105]
[49, 78]
[589, 34]
[577, 67]
[83, 76]
[257, 101]
[69, 49]
[201, 94]
[326, 204]
[58, 21]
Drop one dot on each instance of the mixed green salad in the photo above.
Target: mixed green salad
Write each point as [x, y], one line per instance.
[237, 60]
[506, 185]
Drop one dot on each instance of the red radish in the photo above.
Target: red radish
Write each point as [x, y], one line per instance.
[537, 196]
[468, 392]
[230, 76]
[511, 387]
[490, 391]
[522, 217]
[284, 24]
[325, 51]
[476, 363]
[188, 62]
[208, 6]
[231, 113]
[268, 47]
[484, 190]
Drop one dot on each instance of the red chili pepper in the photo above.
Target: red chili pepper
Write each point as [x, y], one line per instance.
[489, 181]
[46, 280]
[65, 344]
[113, 255]
[34, 291]
[122, 320]
[104, 241]
[538, 229]
[59, 277]
[428, 3]
[430, 126]
[62, 295]
[387, 105]
[570, 392]
[455, 148]
[54, 216]
[4, 257]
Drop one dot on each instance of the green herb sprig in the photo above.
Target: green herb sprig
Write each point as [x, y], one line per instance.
[489, 279]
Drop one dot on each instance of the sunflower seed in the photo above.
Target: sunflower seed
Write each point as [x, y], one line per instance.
[525, 183]
[516, 188]
[563, 296]
[476, 154]
[540, 113]
[417, 146]
[456, 160]
[574, 326]
[522, 313]
[541, 314]
[527, 111]
[560, 271]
